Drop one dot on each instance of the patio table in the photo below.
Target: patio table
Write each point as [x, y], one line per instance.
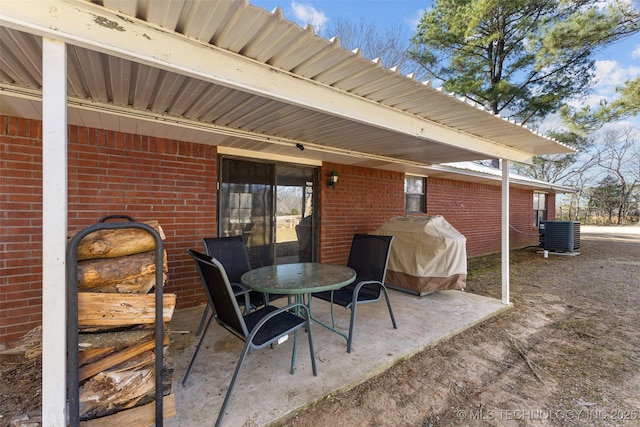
[299, 279]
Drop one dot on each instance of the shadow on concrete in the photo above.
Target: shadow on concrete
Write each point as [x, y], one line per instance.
[266, 392]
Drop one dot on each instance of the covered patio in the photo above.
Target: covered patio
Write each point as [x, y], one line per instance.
[234, 76]
[266, 393]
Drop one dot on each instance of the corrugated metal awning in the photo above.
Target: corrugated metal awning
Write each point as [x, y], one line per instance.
[474, 172]
[234, 75]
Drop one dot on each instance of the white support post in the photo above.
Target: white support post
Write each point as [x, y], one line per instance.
[54, 232]
[505, 231]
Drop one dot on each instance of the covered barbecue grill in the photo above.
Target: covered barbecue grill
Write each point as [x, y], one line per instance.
[427, 254]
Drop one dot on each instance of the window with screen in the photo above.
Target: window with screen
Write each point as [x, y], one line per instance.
[539, 208]
[414, 194]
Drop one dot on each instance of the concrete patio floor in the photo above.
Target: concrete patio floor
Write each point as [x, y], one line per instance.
[266, 392]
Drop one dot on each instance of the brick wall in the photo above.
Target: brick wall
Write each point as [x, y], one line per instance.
[522, 232]
[109, 173]
[551, 207]
[475, 210]
[364, 198]
[360, 202]
[174, 182]
[20, 226]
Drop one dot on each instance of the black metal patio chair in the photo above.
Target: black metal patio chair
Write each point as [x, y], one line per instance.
[232, 254]
[258, 329]
[368, 256]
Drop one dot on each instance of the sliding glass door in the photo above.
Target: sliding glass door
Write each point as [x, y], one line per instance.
[271, 206]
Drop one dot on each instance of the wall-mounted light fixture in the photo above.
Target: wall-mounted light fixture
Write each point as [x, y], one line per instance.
[333, 179]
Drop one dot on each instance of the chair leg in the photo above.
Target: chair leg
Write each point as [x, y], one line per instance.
[311, 349]
[386, 296]
[203, 320]
[353, 317]
[193, 359]
[227, 397]
[352, 323]
[333, 320]
[294, 352]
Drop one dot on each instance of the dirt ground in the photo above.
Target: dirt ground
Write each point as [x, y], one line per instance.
[567, 353]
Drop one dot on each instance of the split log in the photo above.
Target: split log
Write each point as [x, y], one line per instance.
[117, 242]
[95, 346]
[118, 310]
[117, 339]
[137, 285]
[92, 355]
[140, 416]
[29, 346]
[119, 357]
[103, 273]
[119, 388]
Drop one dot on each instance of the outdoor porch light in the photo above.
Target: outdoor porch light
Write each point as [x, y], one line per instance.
[333, 179]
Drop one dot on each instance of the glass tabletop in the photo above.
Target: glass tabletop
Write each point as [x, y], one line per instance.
[298, 278]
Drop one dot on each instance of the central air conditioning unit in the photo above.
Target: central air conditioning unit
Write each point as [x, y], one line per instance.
[560, 236]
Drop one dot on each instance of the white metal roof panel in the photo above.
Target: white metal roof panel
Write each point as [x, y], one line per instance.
[103, 79]
[480, 173]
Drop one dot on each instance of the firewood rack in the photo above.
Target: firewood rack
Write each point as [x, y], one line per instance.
[72, 313]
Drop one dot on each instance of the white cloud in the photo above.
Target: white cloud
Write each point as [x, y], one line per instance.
[414, 20]
[608, 3]
[609, 74]
[305, 13]
[636, 52]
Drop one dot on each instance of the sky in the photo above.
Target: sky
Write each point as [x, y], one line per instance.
[614, 66]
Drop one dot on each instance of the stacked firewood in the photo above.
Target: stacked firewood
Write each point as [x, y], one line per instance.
[116, 320]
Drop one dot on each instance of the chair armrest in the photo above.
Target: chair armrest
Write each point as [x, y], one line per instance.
[358, 288]
[367, 282]
[238, 290]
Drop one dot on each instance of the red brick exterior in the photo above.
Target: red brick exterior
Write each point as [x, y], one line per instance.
[475, 211]
[551, 207]
[174, 182]
[20, 227]
[361, 200]
[109, 173]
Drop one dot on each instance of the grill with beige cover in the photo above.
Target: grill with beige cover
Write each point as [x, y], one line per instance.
[427, 254]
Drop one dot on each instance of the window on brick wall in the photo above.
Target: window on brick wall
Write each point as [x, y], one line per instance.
[414, 191]
[539, 208]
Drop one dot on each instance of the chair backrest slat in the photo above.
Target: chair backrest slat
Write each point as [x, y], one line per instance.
[368, 256]
[232, 254]
[220, 295]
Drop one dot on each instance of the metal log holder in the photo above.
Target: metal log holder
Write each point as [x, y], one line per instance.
[72, 313]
